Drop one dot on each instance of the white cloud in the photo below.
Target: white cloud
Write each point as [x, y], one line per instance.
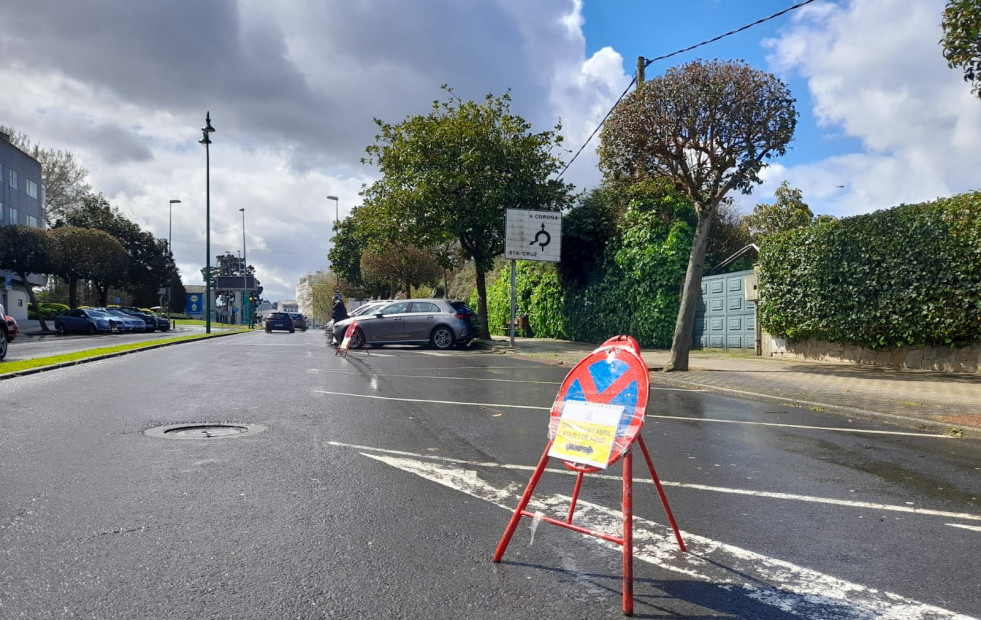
[875, 72]
[292, 87]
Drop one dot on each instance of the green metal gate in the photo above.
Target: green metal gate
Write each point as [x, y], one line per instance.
[725, 319]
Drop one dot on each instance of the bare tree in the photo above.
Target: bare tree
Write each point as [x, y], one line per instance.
[708, 127]
[402, 266]
[62, 175]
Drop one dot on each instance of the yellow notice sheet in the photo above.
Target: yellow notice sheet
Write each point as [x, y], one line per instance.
[586, 432]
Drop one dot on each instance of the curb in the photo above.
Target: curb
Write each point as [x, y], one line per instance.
[941, 428]
[96, 358]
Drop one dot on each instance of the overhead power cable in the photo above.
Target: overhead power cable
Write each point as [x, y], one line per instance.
[648, 62]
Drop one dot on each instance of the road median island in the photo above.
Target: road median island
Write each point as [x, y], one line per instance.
[19, 368]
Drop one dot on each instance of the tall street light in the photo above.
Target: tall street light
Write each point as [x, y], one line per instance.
[336, 213]
[246, 306]
[170, 248]
[206, 141]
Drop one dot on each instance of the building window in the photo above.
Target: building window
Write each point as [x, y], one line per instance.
[13, 215]
[13, 178]
[33, 221]
[31, 188]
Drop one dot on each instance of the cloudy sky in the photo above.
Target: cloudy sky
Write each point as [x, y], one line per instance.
[293, 85]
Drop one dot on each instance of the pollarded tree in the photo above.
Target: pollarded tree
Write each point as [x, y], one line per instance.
[26, 250]
[787, 213]
[962, 39]
[150, 264]
[89, 254]
[707, 127]
[451, 176]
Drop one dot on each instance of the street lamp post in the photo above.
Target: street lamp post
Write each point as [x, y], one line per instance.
[336, 218]
[246, 306]
[206, 141]
[170, 248]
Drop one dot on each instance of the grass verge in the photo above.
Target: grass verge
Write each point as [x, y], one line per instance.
[67, 358]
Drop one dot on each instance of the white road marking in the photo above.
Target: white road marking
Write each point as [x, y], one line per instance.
[684, 485]
[431, 377]
[424, 400]
[801, 426]
[790, 588]
[663, 417]
[973, 528]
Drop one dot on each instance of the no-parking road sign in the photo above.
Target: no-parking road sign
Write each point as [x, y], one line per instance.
[600, 408]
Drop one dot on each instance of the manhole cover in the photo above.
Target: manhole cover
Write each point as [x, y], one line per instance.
[204, 431]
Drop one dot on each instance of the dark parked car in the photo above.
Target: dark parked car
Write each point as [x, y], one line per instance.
[86, 320]
[442, 323]
[280, 320]
[299, 321]
[150, 320]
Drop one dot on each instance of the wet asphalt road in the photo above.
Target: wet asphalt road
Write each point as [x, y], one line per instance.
[380, 484]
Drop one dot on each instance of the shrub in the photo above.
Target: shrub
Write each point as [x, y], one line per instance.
[910, 275]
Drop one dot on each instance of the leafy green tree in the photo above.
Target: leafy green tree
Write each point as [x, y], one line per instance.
[26, 250]
[787, 213]
[452, 174]
[63, 176]
[229, 264]
[961, 24]
[587, 229]
[88, 254]
[708, 128]
[150, 265]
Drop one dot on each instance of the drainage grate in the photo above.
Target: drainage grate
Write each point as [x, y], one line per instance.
[204, 431]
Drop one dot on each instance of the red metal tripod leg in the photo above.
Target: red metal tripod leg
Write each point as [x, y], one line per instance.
[660, 491]
[628, 533]
[575, 498]
[525, 498]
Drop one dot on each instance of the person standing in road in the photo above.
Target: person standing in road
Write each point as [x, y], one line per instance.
[338, 311]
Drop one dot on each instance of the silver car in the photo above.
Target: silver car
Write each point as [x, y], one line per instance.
[441, 323]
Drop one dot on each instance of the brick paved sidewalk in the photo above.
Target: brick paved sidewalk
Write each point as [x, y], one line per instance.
[939, 402]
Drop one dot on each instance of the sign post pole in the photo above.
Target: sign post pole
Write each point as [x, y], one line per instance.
[514, 280]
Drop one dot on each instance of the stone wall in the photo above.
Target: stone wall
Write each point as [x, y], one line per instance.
[947, 359]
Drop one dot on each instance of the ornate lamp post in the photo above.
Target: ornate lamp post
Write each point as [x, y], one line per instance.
[206, 141]
[246, 306]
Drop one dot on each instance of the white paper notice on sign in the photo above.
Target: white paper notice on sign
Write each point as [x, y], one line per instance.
[586, 432]
[533, 235]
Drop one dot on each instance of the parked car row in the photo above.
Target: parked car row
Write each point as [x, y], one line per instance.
[108, 320]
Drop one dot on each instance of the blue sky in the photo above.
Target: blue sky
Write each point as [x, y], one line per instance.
[653, 29]
[293, 86]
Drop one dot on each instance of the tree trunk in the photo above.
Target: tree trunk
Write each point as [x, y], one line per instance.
[73, 292]
[482, 304]
[31, 299]
[681, 343]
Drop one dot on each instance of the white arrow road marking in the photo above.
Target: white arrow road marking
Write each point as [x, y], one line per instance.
[790, 588]
[831, 501]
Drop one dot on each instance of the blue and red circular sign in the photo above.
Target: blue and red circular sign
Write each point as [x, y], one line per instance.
[613, 374]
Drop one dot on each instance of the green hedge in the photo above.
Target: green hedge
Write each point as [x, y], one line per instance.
[48, 311]
[636, 291]
[910, 275]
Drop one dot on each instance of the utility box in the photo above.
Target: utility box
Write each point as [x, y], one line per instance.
[752, 287]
